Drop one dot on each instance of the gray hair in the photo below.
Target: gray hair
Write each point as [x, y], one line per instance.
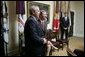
[43, 11]
[32, 9]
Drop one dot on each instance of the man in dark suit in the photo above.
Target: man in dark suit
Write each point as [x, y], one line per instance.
[34, 40]
[43, 19]
[64, 26]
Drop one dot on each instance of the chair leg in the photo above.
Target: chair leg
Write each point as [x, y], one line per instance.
[62, 46]
[67, 44]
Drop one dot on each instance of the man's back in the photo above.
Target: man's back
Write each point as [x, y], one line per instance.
[33, 34]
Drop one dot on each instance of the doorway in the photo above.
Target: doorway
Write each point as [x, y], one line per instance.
[72, 23]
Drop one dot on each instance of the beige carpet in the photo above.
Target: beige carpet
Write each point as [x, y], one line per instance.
[74, 43]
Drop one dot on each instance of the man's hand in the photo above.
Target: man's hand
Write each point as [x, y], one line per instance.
[45, 40]
[65, 28]
[54, 40]
[49, 43]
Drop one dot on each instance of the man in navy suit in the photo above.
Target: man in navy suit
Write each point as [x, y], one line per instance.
[64, 26]
[34, 36]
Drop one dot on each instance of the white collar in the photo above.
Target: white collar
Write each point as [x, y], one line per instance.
[65, 17]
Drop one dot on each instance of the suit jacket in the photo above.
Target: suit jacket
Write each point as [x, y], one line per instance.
[64, 23]
[33, 34]
[44, 26]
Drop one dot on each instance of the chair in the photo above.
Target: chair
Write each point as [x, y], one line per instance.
[64, 42]
[60, 43]
[50, 35]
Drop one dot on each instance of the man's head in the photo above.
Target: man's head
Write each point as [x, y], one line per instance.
[65, 14]
[43, 14]
[35, 11]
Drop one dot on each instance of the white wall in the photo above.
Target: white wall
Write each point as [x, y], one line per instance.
[78, 8]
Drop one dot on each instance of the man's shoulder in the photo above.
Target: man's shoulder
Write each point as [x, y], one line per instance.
[67, 17]
[30, 18]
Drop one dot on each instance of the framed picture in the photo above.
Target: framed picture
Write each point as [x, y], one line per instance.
[42, 6]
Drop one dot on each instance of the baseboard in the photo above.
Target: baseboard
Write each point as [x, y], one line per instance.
[79, 35]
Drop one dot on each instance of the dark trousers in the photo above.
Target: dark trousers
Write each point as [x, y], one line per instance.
[32, 51]
[44, 50]
[62, 33]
